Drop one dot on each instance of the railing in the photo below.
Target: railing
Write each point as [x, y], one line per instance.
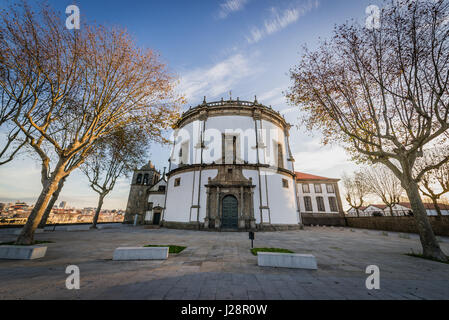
[231, 102]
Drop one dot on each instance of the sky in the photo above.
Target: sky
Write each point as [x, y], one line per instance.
[214, 47]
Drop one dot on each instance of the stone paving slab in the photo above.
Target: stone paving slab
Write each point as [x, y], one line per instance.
[221, 266]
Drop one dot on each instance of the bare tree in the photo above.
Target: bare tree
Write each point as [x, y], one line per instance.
[51, 203]
[114, 156]
[14, 140]
[84, 84]
[381, 182]
[434, 183]
[383, 93]
[355, 190]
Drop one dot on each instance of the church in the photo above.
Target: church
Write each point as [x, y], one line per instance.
[231, 168]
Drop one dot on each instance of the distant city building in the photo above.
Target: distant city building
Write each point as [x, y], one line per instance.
[401, 209]
[63, 204]
[20, 206]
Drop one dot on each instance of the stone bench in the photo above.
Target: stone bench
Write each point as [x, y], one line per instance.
[109, 226]
[141, 253]
[22, 252]
[83, 227]
[286, 260]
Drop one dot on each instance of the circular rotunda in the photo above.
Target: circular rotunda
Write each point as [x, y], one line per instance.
[231, 168]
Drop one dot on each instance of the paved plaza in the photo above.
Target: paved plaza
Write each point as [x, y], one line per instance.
[221, 266]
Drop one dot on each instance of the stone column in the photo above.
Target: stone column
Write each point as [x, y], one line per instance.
[242, 223]
[251, 211]
[206, 220]
[218, 217]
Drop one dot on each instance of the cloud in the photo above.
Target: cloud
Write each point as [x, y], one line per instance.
[274, 97]
[319, 159]
[230, 6]
[280, 20]
[269, 95]
[218, 79]
[289, 110]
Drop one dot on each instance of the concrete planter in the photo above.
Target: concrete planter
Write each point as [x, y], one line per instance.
[141, 253]
[12, 252]
[286, 260]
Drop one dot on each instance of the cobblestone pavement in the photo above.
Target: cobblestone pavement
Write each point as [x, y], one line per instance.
[220, 266]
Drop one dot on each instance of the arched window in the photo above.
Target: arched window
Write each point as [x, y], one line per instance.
[146, 179]
[139, 178]
[280, 156]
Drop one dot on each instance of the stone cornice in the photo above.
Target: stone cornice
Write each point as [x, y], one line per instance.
[195, 167]
[317, 181]
[232, 108]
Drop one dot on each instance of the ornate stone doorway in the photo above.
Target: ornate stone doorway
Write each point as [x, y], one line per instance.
[230, 217]
[230, 200]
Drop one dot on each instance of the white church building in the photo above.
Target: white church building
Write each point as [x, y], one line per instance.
[231, 168]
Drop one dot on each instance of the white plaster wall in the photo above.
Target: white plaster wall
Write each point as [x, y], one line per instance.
[189, 134]
[157, 199]
[193, 212]
[270, 134]
[241, 126]
[179, 199]
[282, 200]
[313, 196]
[264, 192]
[256, 198]
[206, 174]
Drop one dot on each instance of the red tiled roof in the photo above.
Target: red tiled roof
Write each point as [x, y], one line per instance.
[379, 206]
[432, 207]
[307, 176]
[405, 204]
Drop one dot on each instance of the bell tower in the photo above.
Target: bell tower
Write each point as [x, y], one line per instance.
[143, 179]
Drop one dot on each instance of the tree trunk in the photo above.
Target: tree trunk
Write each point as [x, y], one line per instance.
[437, 207]
[357, 211]
[26, 236]
[431, 248]
[391, 211]
[54, 197]
[97, 213]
